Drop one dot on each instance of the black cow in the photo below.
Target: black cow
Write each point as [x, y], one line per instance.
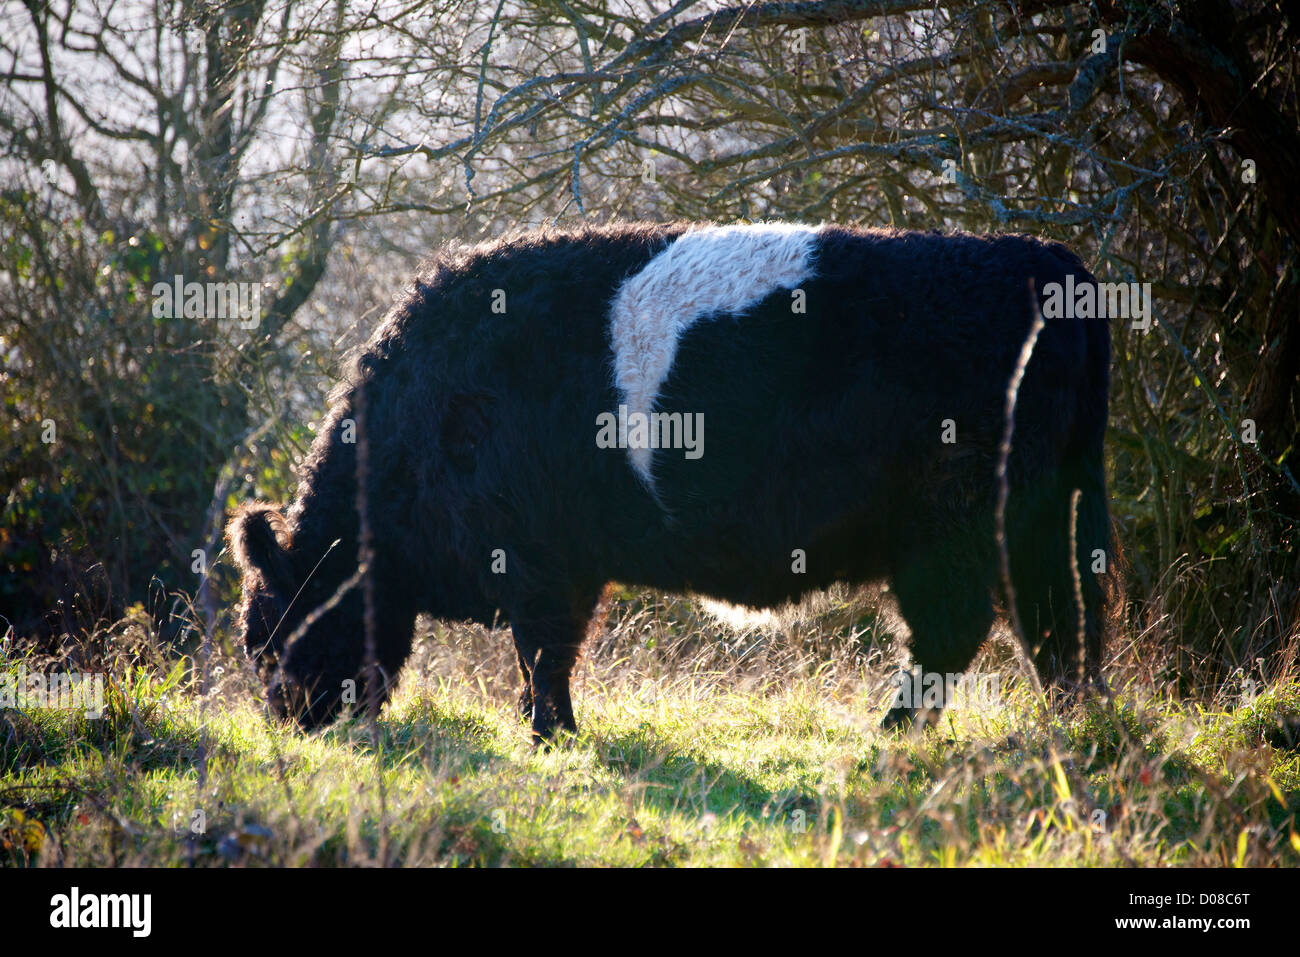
[533, 414]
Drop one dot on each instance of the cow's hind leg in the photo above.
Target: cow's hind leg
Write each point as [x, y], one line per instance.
[1066, 646]
[943, 592]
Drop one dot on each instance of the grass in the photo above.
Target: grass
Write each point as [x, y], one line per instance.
[699, 746]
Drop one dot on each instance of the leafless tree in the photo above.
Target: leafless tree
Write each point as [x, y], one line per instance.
[276, 140]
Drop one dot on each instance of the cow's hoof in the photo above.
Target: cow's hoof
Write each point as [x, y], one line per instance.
[550, 730]
[556, 738]
[898, 719]
[910, 720]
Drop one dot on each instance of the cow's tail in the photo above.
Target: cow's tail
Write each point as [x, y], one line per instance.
[1061, 543]
[1096, 548]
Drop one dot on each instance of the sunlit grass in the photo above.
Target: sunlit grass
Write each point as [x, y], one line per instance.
[698, 746]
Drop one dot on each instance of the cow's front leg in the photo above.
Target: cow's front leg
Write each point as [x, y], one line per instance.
[552, 705]
[548, 647]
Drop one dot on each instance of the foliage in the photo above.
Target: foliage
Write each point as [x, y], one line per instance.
[321, 150]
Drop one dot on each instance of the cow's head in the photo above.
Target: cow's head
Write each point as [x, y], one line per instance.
[278, 596]
[260, 542]
[300, 641]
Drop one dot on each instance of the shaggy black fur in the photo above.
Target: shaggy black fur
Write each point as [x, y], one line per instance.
[822, 434]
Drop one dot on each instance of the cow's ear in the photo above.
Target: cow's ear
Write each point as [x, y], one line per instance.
[259, 538]
[464, 426]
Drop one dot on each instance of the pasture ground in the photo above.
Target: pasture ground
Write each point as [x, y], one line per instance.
[699, 745]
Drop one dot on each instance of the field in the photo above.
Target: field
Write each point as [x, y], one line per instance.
[208, 210]
[700, 744]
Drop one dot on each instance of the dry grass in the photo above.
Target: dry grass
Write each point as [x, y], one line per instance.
[701, 744]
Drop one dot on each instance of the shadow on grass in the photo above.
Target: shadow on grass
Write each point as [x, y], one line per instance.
[460, 740]
[677, 781]
[153, 744]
